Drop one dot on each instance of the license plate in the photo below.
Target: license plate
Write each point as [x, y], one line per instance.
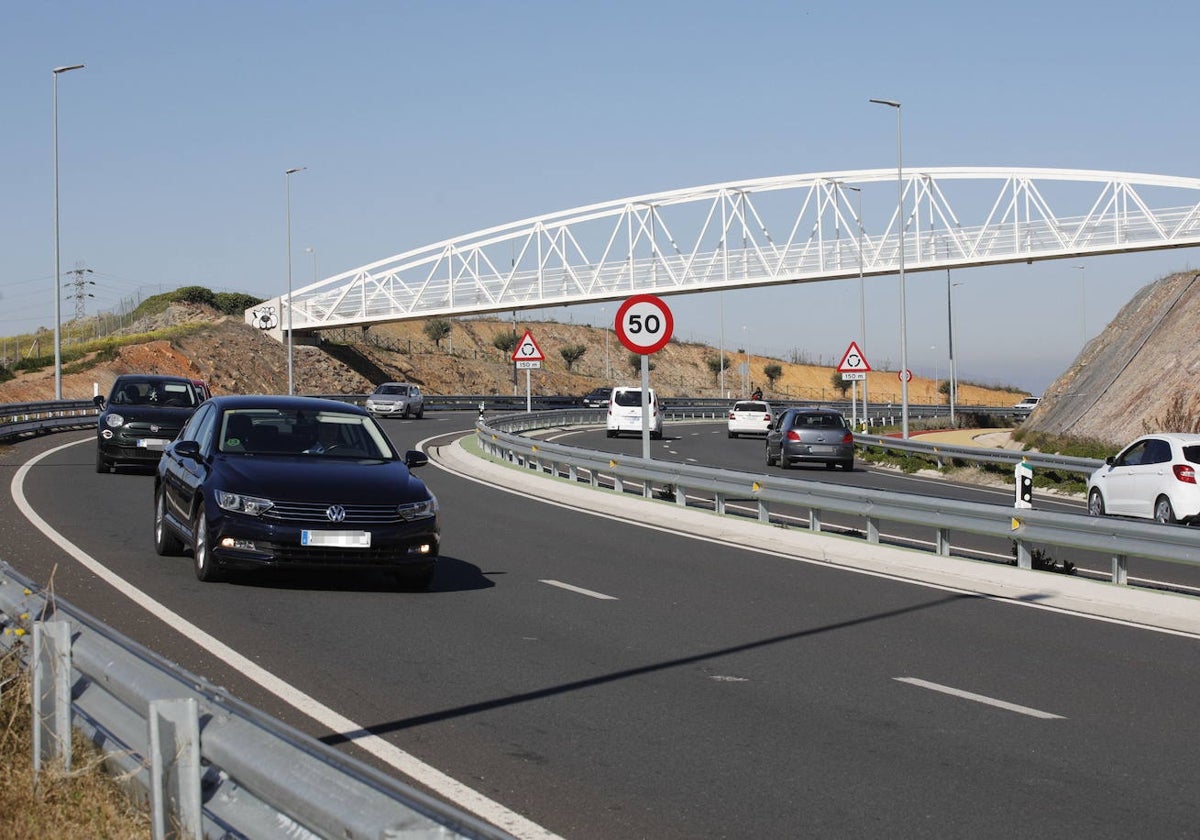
[336, 539]
[821, 450]
[152, 443]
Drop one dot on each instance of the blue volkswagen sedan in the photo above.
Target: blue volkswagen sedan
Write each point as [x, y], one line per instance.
[257, 482]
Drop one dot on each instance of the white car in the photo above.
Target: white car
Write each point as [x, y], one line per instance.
[749, 417]
[1026, 405]
[625, 412]
[1152, 478]
[396, 399]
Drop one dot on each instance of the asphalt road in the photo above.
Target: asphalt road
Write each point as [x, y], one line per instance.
[608, 680]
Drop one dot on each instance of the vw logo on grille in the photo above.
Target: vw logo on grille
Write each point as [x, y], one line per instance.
[336, 513]
[154, 428]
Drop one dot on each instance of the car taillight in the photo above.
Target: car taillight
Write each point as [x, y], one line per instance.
[1185, 473]
[849, 438]
[766, 418]
[731, 415]
[793, 435]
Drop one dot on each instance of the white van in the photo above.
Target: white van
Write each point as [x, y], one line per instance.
[625, 412]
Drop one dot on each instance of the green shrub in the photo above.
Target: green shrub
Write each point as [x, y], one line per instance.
[235, 303]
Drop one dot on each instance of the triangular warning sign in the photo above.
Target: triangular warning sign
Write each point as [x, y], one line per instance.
[853, 361]
[527, 350]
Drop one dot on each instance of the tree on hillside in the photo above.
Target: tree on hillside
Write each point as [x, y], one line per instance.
[635, 363]
[716, 364]
[572, 353]
[437, 329]
[772, 372]
[839, 384]
[505, 342]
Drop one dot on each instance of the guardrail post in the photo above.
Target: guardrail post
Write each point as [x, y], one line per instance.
[872, 530]
[175, 768]
[764, 512]
[1120, 571]
[51, 703]
[943, 541]
[1024, 556]
[719, 504]
[814, 520]
[680, 495]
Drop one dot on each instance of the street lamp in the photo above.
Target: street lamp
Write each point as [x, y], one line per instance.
[287, 182]
[58, 395]
[900, 223]
[1083, 303]
[950, 329]
[862, 301]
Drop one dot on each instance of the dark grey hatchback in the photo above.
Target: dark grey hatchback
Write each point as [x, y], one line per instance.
[811, 436]
[256, 482]
[143, 413]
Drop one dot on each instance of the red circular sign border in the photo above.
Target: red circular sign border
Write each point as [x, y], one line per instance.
[667, 317]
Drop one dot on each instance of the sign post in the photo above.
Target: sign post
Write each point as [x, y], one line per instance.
[854, 368]
[529, 356]
[644, 324]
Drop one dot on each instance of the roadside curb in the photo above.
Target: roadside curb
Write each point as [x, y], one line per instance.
[1148, 608]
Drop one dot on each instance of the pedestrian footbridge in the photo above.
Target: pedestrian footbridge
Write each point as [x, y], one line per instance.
[786, 229]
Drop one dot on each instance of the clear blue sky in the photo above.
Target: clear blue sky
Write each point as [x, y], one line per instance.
[420, 121]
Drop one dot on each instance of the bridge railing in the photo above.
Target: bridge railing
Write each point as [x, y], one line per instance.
[1028, 529]
[206, 764]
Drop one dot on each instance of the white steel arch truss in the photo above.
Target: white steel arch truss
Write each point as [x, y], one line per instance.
[786, 229]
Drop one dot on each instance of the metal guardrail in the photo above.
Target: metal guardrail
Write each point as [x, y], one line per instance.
[1119, 539]
[207, 764]
[20, 420]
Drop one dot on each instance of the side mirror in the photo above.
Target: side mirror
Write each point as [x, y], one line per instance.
[414, 458]
[98, 400]
[1110, 460]
[187, 449]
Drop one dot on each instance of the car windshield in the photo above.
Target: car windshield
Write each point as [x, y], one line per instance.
[392, 390]
[155, 392]
[750, 406]
[273, 431]
[1192, 453]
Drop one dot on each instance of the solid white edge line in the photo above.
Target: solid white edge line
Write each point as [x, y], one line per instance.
[588, 592]
[979, 698]
[451, 789]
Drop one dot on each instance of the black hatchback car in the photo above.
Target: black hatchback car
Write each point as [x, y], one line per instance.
[811, 436]
[143, 413]
[256, 482]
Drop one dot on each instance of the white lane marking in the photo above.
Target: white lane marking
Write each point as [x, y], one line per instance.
[599, 595]
[451, 789]
[979, 698]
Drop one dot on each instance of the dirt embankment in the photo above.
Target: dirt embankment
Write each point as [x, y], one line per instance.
[236, 358]
[1127, 377]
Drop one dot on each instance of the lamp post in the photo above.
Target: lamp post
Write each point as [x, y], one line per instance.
[287, 182]
[1083, 304]
[900, 225]
[57, 276]
[953, 391]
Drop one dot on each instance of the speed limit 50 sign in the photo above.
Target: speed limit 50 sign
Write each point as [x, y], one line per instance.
[644, 324]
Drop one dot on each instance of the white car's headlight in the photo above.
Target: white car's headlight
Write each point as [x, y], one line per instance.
[251, 505]
[419, 510]
[114, 420]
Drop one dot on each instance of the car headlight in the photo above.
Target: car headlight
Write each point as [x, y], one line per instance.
[251, 505]
[114, 420]
[418, 510]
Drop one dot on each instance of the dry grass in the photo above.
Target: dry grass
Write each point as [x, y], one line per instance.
[84, 804]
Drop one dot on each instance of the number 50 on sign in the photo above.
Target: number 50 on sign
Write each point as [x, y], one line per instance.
[644, 324]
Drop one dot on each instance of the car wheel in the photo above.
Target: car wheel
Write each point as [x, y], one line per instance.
[420, 412]
[202, 559]
[848, 466]
[1163, 512]
[404, 414]
[1095, 503]
[770, 460]
[829, 465]
[656, 435]
[610, 433]
[103, 465]
[733, 434]
[166, 544]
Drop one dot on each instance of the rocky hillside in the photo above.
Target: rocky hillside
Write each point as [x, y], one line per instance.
[1139, 374]
[236, 358]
